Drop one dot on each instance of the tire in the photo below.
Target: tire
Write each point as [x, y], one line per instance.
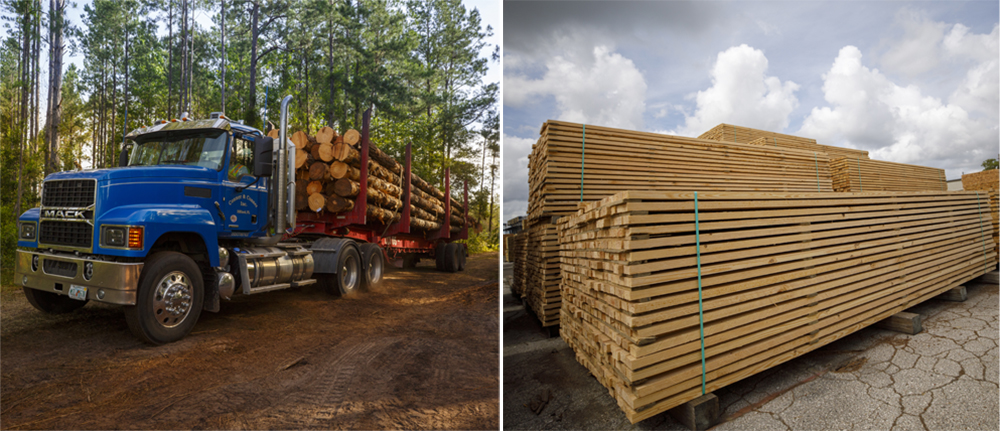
[463, 252]
[348, 277]
[373, 265]
[450, 257]
[169, 300]
[439, 253]
[52, 303]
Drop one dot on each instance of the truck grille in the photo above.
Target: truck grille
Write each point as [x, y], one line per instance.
[55, 267]
[68, 193]
[72, 234]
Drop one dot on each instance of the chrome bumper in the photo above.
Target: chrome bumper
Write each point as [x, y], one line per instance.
[112, 282]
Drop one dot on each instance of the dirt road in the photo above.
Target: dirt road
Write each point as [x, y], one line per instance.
[421, 352]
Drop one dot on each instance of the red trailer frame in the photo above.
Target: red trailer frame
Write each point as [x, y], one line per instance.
[395, 238]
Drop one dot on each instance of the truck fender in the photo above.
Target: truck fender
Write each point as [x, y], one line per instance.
[169, 219]
[326, 251]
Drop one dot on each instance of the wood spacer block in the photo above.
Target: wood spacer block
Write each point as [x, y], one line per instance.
[697, 414]
[907, 323]
[990, 278]
[957, 294]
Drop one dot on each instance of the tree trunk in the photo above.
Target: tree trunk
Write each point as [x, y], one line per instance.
[318, 171]
[337, 204]
[383, 215]
[170, 58]
[222, 24]
[56, 23]
[421, 223]
[251, 113]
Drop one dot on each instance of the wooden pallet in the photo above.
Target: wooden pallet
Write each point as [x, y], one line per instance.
[781, 274]
[988, 181]
[746, 135]
[865, 175]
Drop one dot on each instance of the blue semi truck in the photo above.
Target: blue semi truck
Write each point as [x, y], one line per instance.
[197, 212]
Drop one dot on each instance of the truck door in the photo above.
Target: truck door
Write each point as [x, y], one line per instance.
[244, 205]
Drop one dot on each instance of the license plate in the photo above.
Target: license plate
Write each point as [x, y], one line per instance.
[78, 292]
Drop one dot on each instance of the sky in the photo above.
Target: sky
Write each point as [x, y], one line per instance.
[910, 82]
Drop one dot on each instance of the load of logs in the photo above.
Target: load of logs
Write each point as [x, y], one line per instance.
[328, 175]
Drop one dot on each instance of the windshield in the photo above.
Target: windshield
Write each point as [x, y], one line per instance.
[204, 149]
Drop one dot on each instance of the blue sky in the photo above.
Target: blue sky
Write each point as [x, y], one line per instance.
[911, 82]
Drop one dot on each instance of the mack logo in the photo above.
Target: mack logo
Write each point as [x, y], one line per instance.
[70, 214]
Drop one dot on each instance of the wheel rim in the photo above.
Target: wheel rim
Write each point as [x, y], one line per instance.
[172, 299]
[349, 273]
[375, 268]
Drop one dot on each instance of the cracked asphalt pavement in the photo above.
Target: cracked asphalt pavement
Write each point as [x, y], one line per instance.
[944, 377]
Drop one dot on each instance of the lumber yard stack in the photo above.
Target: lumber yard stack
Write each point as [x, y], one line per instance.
[989, 182]
[746, 135]
[851, 174]
[775, 275]
[328, 175]
[519, 253]
[572, 163]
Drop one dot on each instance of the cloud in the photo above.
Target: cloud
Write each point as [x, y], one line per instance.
[902, 124]
[742, 93]
[605, 89]
[515, 175]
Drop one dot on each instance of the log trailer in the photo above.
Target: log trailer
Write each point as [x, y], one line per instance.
[172, 232]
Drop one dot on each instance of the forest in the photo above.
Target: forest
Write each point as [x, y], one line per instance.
[419, 65]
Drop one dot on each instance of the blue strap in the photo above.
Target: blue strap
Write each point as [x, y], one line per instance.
[583, 156]
[701, 313]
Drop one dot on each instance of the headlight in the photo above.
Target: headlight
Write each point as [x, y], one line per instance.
[27, 231]
[113, 236]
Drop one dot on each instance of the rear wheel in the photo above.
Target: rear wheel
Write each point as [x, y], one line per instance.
[439, 256]
[450, 257]
[463, 252]
[348, 278]
[373, 264]
[52, 303]
[169, 300]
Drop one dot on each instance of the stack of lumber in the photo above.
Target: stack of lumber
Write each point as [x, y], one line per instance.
[541, 282]
[779, 275]
[988, 181]
[328, 175]
[746, 135]
[852, 174]
[520, 258]
[615, 160]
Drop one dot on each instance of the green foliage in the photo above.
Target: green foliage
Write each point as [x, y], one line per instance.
[989, 164]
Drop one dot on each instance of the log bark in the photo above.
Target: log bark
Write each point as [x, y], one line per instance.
[457, 220]
[346, 188]
[314, 187]
[317, 201]
[383, 200]
[384, 187]
[383, 159]
[424, 224]
[318, 171]
[419, 182]
[339, 169]
[428, 206]
[326, 135]
[352, 137]
[418, 212]
[336, 204]
[326, 152]
[376, 169]
[383, 215]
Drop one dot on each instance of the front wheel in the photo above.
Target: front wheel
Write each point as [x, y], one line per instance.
[52, 303]
[169, 300]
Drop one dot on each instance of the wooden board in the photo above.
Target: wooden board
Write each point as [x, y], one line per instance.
[988, 181]
[746, 135]
[852, 174]
[780, 274]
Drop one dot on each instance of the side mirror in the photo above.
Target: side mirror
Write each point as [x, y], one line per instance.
[123, 156]
[262, 149]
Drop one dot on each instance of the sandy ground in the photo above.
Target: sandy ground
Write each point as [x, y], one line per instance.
[421, 352]
[942, 378]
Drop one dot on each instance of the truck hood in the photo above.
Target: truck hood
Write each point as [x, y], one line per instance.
[140, 172]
